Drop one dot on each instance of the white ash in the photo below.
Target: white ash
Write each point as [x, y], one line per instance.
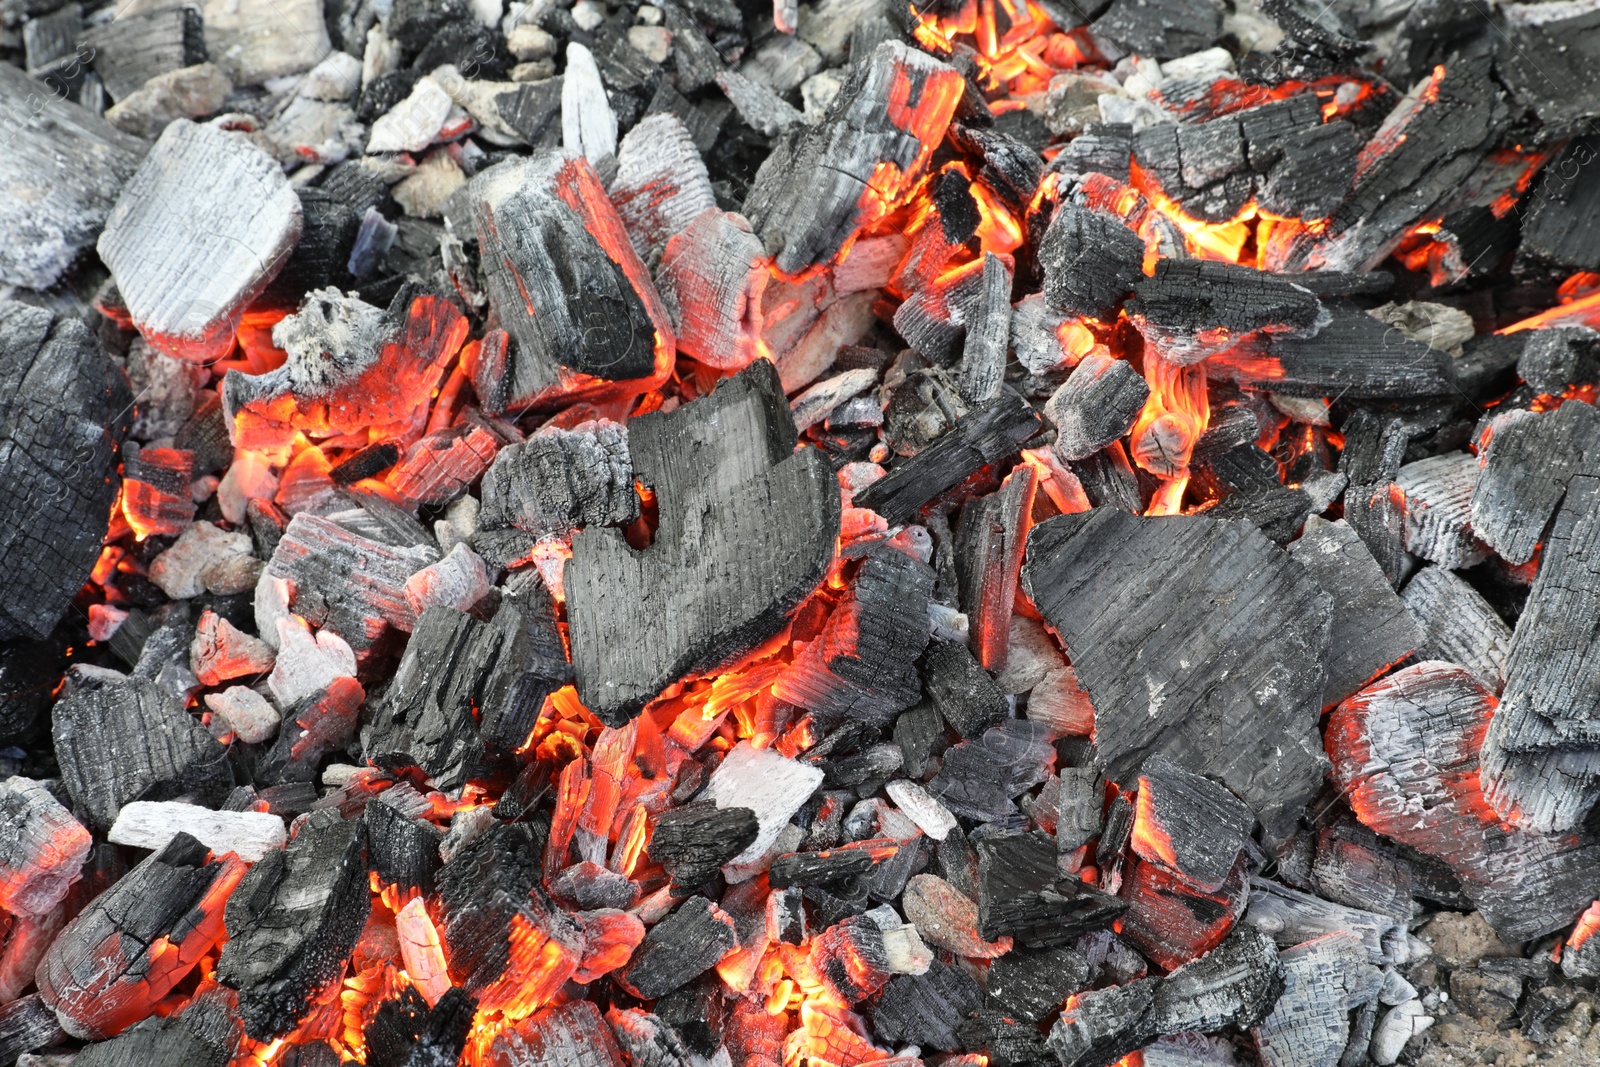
[931, 817]
[1032, 654]
[768, 784]
[818, 401]
[424, 193]
[588, 125]
[245, 713]
[255, 40]
[186, 93]
[250, 835]
[382, 55]
[180, 570]
[413, 123]
[331, 339]
[306, 664]
[459, 581]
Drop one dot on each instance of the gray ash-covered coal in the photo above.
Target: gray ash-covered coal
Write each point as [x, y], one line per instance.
[619, 534]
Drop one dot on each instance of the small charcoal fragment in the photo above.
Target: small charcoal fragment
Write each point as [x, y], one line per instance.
[1031, 985]
[1090, 261]
[961, 691]
[1097, 404]
[693, 840]
[679, 948]
[1192, 825]
[1022, 892]
[928, 1008]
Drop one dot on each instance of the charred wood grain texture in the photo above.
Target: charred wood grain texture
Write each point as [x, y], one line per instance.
[679, 948]
[1097, 404]
[204, 1034]
[747, 527]
[1196, 638]
[1355, 356]
[64, 408]
[1374, 448]
[693, 840]
[1530, 458]
[1090, 261]
[1458, 625]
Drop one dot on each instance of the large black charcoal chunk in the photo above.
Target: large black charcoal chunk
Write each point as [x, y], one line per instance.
[680, 948]
[693, 840]
[1196, 638]
[979, 779]
[1030, 985]
[1090, 261]
[204, 1034]
[1530, 458]
[293, 921]
[1023, 893]
[572, 1035]
[402, 845]
[747, 528]
[1097, 404]
[405, 1032]
[927, 1009]
[1371, 628]
[1565, 210]
[1185, 297]
[131, 740]
[987, 434]
[1235, 984]
[1355, 356]
[64, 408]
[963, 692]
[1104, 1025]
[1161, 29]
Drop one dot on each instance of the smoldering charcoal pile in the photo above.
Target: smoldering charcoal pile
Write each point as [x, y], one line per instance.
[705, 533]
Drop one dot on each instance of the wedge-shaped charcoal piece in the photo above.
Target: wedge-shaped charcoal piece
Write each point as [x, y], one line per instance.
[693, 840]
[980, 778]
[110, 966]
[1371, 628]
[342, 581]
[255, 41]
[160, 751]
[679, 949]
[250, 835]
[510, 946]
[351, 367]
[960, 690]
[819, 868]
[1292, 917]
[1022, 892]
[1458, 625]
[1562, 211]
[293, 920]
[1097, 404]
[26, 1025]
[64, 412]
[1541, 758]
[312, 729]
[1235, 984]
[1190, 309]
[1188, 823]
[188, 260]
[927, 1009]
[1169, 919]
[42, 848]
[402, 845]
[1546, 60]
[1438, 508]
[989, 544]
[1249, 478]
[1103, 1025]
[747, 528]
[1090, 261]
[712, 276]
[572, 1035]
[1410, 743]
[1355, 356]
[566, 284]
[1434, 138]
[463, 689]
[1323, 981]
[555, 482]
[405, 1032]
[988, 434]
[1373, 451]
[646, 1040]
[1032, 985]
[1228, 643]
[63, 169]
[204, 1034]
[822, 184]
[863, 663]
[1529, 460]
[661, 184]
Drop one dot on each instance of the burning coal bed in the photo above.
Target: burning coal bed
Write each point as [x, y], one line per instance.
[678, 535]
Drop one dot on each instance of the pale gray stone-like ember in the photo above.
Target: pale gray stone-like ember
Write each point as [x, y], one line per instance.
[64, 412]
[555, 482]
[257, 40]
[661, 184]
[342, 581]
[204, 1034]
[413, 123]
[101, 974]
[1371, 628]
[1526, 467]
[1458, 625]
[180, 570]
[692, 840]
[189, 260]
[293, 920]
[809, 196]
[1323, 981]
[1409, 744]
[130, 740]
[42, 848]
[1188, 823]
[60, 175]
[1090, 261]
[679, 949]
[747, 528]
[1438, 508]
[1242, 708]
[459, 580]
[947, 918]
[1097, 404]
[1541, 758]
[306, 663]
[566, 283]
[187, 93]
[245, 713]
[250, 835]
[588, 125]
